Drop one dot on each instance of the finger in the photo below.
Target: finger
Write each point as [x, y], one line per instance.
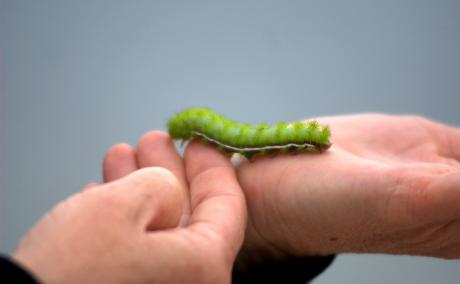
[89, 186]
[445, 194]
[425, 195]
[452, 138]
[119, 161]
[156, 149]
[448, 138]
[217, 200]
[151, 197]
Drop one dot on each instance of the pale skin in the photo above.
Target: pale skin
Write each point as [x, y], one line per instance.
[389, 184]
[146, 224]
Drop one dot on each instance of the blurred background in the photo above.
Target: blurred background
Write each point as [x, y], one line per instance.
[79, 76]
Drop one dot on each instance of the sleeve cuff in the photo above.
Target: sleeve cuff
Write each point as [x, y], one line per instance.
[13, 272]
[294, 270]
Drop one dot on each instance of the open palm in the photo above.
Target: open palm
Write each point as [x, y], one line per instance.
[388, 184]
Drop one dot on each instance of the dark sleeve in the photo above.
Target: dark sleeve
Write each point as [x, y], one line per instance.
[12, 272]
[290, 271]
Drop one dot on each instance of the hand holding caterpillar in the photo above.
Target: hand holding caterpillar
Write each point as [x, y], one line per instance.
[247, 139]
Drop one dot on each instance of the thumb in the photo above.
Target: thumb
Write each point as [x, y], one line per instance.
[152, 197]
[216, 197]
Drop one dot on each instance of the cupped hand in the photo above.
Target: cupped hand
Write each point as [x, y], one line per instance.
[146, 224]
[388, 184]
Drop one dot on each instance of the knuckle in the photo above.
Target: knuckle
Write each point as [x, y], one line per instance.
[157, 176]
[154, 136]
[118, 148]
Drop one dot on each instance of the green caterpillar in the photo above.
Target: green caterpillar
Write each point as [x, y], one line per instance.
[246, 139]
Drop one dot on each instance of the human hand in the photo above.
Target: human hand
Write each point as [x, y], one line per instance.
[126, 231]
[388, 184]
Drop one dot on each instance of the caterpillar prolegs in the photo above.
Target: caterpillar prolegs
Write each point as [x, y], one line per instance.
[247, 139]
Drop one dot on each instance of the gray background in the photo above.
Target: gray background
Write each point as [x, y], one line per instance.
[79, 76]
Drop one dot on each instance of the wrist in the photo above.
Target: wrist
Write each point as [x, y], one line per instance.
[278, 246]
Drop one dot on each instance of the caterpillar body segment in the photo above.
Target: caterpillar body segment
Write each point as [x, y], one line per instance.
[247, 139]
